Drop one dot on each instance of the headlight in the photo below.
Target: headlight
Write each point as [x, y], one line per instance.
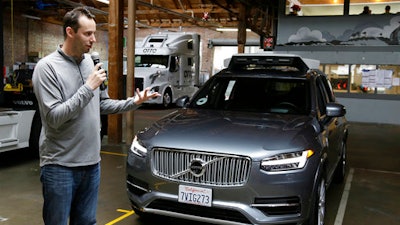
[286, 161]
[137, 148]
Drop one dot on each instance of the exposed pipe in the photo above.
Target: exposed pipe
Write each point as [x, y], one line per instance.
[184, 10]
[12, 31]
[150, 5]
[75, 4]
[177, 14]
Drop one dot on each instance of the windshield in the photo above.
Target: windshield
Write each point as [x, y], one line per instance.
[258, 94]
[155, 61]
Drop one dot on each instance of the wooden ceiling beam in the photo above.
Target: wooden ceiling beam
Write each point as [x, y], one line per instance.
[196, 11]
[186, 12]
[177, 23]
[183, 16]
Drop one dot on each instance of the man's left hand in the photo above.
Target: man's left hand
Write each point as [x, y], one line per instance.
[142, 96]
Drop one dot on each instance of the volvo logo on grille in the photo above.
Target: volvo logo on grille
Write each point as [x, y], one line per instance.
[197, 167]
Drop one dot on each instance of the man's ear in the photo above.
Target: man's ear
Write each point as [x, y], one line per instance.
[69, 31]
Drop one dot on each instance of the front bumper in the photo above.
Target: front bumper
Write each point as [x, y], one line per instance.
[264, 199]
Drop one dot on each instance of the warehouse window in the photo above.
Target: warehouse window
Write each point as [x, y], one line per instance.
[316, 8]
[365, 79]
[338, 7]
[376, 8]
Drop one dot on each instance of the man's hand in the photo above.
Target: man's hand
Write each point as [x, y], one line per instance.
[97, 77]
[142, 96]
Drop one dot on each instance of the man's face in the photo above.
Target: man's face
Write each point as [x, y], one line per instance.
[85, 35]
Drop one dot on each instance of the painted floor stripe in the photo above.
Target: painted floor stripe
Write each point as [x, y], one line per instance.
[379, 171]
[113, 153]
[127, 213]
[343, 201]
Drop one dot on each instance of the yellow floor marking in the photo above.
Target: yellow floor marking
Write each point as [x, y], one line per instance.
[127, 213]
[113, 153]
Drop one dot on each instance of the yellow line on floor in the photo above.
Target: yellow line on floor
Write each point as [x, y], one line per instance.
[127, 213]
[113, 153]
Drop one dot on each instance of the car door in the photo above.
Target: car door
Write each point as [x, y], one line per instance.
[330, 128]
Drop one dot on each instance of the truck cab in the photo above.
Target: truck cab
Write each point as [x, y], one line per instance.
[168, 63]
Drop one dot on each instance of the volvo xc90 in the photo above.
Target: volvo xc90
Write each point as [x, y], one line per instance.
[259, 143]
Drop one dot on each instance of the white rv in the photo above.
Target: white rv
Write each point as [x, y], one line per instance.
[168, 63]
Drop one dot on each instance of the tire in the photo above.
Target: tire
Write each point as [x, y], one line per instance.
[167, 98]
[340, 171]
[318, 211]
[34, 136]
[104, 126]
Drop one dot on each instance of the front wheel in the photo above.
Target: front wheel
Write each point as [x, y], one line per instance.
[317, 216]
[36, 128]
[340, 170]
[167, 98]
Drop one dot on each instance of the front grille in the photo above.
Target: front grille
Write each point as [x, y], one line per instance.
[195, 210]
[200, 167]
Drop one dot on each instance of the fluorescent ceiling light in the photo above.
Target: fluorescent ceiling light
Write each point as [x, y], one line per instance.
[104, 1]
[31, 17]
[230, 29]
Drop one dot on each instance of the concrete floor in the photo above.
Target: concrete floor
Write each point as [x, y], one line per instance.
[371, 194]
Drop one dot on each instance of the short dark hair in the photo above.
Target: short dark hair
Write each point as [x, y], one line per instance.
[387, 7]
[71, 18]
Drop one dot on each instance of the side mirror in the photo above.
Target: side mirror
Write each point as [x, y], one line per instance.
[226, 62]
[335, 109]
[182, 101]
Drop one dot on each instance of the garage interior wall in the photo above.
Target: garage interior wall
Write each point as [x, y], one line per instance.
[33, 37]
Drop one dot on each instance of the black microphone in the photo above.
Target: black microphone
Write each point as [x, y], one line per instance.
[96, 59]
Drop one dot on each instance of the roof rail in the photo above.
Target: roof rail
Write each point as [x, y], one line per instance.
[244, 60]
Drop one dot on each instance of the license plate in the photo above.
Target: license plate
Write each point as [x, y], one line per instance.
[195, 195]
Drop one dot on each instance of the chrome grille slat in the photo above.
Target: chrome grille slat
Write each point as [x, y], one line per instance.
[220, 169]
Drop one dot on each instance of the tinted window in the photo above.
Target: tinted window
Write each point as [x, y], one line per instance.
[322, 97]
[160, 61]
[328, 88]
[255, 95]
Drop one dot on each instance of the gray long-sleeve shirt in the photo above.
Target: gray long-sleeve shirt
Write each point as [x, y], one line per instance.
[70, 110]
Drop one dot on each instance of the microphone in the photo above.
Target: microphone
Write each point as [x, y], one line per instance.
[96, 59]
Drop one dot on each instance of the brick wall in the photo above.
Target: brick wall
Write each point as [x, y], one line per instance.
[36, 36]
[31, 35]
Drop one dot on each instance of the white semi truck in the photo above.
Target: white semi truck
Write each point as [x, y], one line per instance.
[20, 123]
[168, 63]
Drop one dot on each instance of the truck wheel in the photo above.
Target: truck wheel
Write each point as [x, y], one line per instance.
[167, 98]
[35, 134]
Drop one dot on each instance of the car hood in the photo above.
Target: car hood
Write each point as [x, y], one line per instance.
[230, 132]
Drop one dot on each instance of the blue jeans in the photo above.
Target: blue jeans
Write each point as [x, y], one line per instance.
[70, 193]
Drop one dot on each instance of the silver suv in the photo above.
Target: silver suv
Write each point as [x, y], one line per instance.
[259, 143]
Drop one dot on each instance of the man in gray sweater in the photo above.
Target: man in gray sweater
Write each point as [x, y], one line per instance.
[66, 84]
